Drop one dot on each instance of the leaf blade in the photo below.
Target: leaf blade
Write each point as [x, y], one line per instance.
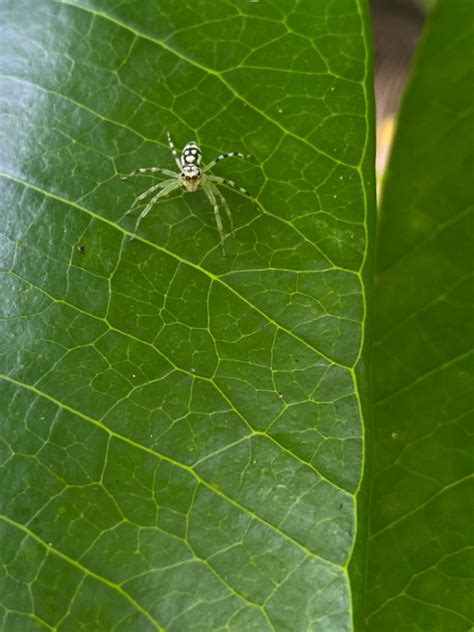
[155, 360]
[422, 357]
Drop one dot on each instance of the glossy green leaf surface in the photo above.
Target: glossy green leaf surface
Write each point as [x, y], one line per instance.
[420, 551]
[182, 432]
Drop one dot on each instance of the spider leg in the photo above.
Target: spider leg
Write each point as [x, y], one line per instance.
[146, 193]
[209, 190]
[170, 185]
[232, 185]
[223, 157]
[229, 183]
[174, 152]
[224, 204]
[165, 172]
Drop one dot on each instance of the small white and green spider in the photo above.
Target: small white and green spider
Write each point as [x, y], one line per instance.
[190, 176]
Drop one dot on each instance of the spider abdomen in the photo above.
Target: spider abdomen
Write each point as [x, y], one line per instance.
[190, 161]
[191, 155]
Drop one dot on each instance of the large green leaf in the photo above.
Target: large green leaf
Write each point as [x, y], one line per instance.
[420, 552]
[183, 432]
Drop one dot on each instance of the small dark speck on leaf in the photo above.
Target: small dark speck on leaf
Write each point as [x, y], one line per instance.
[81, 248]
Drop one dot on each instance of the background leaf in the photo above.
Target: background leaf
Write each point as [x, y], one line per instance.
[182, 432]
[420, 551]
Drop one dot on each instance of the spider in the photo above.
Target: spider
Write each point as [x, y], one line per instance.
[190, 176]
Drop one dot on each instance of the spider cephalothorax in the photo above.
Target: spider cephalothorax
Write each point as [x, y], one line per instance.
[191, 177]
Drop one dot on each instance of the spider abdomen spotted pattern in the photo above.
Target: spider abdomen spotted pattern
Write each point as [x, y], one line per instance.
[190, 176]
[191, 166]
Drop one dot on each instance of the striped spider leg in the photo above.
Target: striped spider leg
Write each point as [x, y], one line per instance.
[190, 176]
